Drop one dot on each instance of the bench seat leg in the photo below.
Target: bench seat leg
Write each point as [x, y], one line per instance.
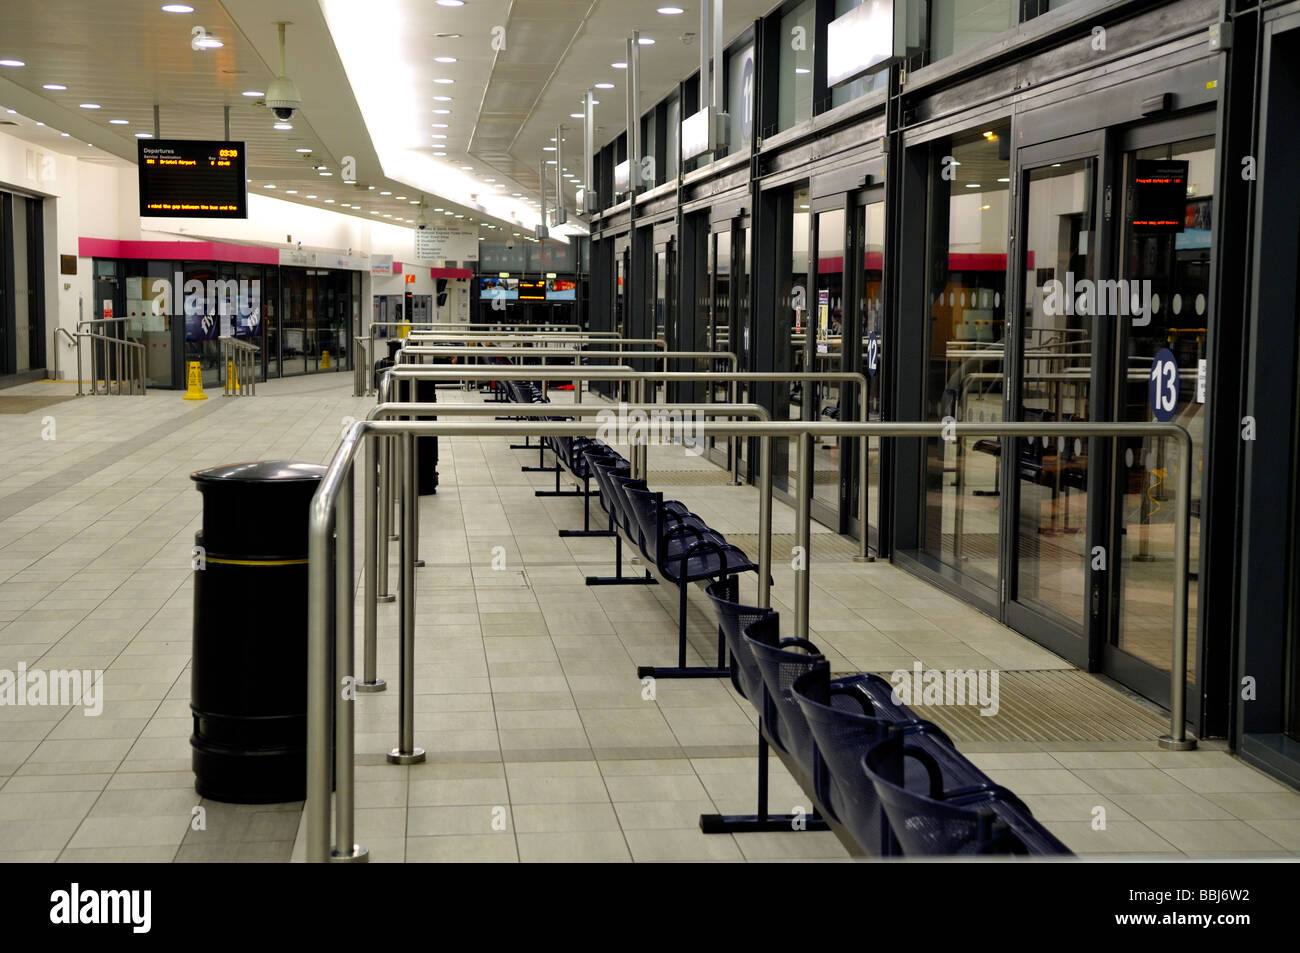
[761, 821]
[618, 579]
[681, 669]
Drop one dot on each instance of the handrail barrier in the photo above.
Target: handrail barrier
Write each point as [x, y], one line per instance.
[119, 362]
[638, 379]
[329, 710]
[238, 361]
[363, 375]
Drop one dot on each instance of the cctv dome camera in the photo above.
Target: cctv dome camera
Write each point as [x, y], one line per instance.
[282, 98]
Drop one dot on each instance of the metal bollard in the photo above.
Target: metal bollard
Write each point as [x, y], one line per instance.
[406, 751]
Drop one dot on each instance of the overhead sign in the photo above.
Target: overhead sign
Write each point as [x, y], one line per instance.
[699, 133]
[870, 37]
[1159, 196]
[447, 243]
[381, 265]
[192, 178]
[622, 177]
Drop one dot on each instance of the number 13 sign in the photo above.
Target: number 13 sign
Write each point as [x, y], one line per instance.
[1163, 386]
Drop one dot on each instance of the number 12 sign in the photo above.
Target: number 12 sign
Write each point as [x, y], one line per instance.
[1163, 385]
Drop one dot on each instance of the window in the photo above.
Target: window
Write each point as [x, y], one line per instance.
[795, 88]
[958, 25]
[859, 87]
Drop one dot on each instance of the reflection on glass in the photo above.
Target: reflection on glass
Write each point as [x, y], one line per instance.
[1177, 263]
[1056, 369]
[792, 315]
[720, 318]
[859, 87]
[967, 297]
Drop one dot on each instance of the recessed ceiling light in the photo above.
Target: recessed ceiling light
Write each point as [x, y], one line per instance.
[442, 112]
[177, 8]
[575, 115]
[253, 93]
[618, 65]
[311, 196]
[120, 122]
[437, 210]
[548, 148]
[451, 3]
[90, 105]
[515, 195]
[972, 185]
[440, 154]
[373, 211]
[208, 42]
[290, 191]
[645, 41]
[12, 63]
[444, 81]
[388, 215]
[303, 151]
[346, 205]
[268, 186]
[400, 198]
[442, 99]
[595, 102]
[439, 125]
[439, 135]
[670, 11]
[802, 70]
[550, 162]
[489, 180]
[326, 173]
[413, 202]
[329, 201]
[1004, 180]
[604, 85]
[385, 192]
[444, 59]
[283, 126]
[65, 134]
[54, 86]
[144, 135]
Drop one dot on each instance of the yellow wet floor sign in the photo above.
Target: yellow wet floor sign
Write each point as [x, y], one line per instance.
[194, 383]
[324, 360]
[232, 375]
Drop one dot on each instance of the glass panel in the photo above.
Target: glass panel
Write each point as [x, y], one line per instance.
[957, 25]
[795, 87]
[293, 342]
[271, 322]
[870, 225]
[740, 97]
[150, 304]
[828, 318]
[792, 316]
[202, 320]
[672, 132]
[1056, 371]
[1177, 265]
[720, 325]
[21, 291]
[743, 389]
[966, 291]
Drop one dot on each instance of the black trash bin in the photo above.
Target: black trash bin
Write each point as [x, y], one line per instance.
[248, 683]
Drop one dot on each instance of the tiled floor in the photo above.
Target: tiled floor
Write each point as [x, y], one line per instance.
[541, 744]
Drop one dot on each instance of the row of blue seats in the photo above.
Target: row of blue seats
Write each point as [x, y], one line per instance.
[891, 782]
[680, 546]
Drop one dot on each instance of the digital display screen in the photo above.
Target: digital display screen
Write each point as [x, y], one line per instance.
[192, 178]
[532, 291]
[1159, 195]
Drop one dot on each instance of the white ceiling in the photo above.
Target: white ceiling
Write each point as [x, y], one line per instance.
[366, 71]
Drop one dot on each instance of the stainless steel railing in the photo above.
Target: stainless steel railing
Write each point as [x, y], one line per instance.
[238, 367]
[637, 381]
[329, 710]
[116, 362]
[363, 361]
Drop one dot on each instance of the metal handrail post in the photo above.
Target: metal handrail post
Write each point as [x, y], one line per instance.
[406, 751]
[370, 680]
[864, 482]
[344, 699]
[803, 532]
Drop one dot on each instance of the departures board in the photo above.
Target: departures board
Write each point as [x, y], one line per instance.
[192, 178]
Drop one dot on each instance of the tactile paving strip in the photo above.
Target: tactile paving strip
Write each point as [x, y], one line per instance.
[825, 546]
[1057, 705]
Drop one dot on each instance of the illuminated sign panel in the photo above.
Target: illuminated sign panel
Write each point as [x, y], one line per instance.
[1159, 200]
[192, 178]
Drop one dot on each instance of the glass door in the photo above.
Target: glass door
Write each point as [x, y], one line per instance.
[1054, 376]
[1166, 262]
[719, 331]
[868, 324]
[825, 353]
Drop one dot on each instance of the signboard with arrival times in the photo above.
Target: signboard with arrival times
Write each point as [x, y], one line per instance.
[192, 178]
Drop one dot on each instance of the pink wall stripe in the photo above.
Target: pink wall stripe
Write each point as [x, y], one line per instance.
[185, 251]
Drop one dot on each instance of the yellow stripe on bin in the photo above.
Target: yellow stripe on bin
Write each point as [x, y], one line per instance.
[257, 562]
